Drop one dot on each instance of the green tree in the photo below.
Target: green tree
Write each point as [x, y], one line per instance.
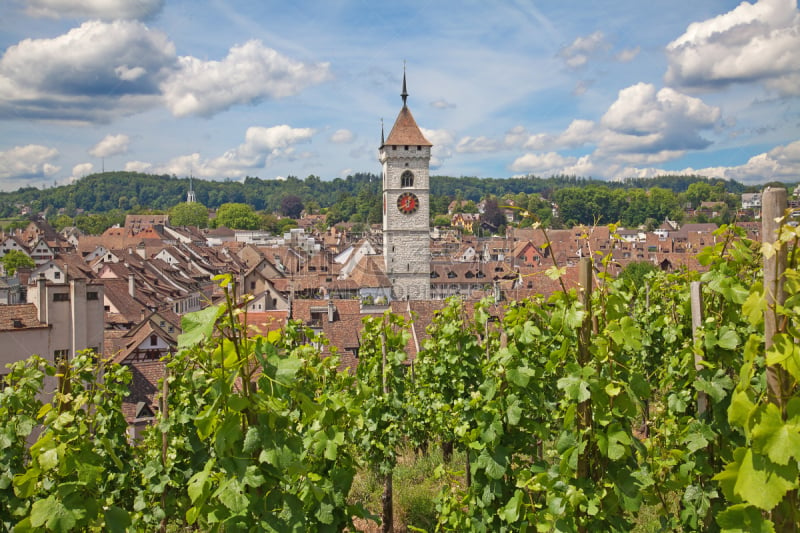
[291, 206]
[14, 259]
[62, 221]
[269, 222]
[189, 214]
[441, 221]
[634, 273]
[237, 216]
[663, 203]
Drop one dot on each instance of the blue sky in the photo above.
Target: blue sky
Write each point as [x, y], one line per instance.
[226, 89]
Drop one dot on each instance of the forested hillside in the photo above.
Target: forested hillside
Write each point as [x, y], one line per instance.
[98, 193]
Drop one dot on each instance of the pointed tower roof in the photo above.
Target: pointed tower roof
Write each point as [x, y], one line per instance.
[405, 130]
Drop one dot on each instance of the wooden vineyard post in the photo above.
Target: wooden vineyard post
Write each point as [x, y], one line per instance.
[387, 503]
[164, 443]
[696, 295]
[584, 340]
[774, 205]
[779, 384]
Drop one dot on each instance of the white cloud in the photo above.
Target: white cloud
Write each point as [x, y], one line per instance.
[111, 145]
[542, 164]
[782, 163]
[442, 104]
[25, 162]
[582, 49]
[103, 9]
[643, 120]
[628, 55]
[342, 137]
[249, 73]
[89, 74]
[519, 137]
[81, 170]
[475, 145]
[752, 43]
[581, 86]
[261, 147]
[138, 166]
[443, 143]
[100, 70]
[578, 133]
[516, 136]
[642, 127]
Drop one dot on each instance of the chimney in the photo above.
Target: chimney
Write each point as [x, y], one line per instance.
[41, 284]
[331, 310]
[131, 286]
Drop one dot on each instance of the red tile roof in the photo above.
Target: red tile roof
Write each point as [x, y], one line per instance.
[19, 316]
[405, 131]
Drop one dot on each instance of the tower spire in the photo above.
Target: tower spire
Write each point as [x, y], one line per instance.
[404, 94]
[190, 197]
[382, 138]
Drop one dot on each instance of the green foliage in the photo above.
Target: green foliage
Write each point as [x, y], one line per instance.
[237, 216]
[382, 390]
[291, 206]
[77, 474]
[15, 259]
[635, 273]
[558, 434]
[259, 431]
[97, 223]
[761, 476]
[61, 221]
[189, 214]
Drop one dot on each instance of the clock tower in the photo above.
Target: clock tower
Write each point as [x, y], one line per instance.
[405, 157]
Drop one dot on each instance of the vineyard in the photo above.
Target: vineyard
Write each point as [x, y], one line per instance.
[573, 413]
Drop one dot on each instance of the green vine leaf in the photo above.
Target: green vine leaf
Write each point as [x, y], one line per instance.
[763, 483]
[198, 326]
[778, 439]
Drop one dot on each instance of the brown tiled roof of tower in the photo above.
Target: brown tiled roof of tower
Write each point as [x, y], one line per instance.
[405, 131]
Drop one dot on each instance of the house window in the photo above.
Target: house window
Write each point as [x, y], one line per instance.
[57, 275]
[60, 355]
[61, 297]
[92, 295]
[153, 340]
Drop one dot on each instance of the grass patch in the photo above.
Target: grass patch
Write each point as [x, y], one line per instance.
[415, 491]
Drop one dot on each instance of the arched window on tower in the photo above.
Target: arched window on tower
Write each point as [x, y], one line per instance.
[407, 179]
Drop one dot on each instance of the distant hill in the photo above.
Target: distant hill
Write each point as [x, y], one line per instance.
[103, 192]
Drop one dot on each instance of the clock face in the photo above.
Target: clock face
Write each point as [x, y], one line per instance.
[408, 203]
